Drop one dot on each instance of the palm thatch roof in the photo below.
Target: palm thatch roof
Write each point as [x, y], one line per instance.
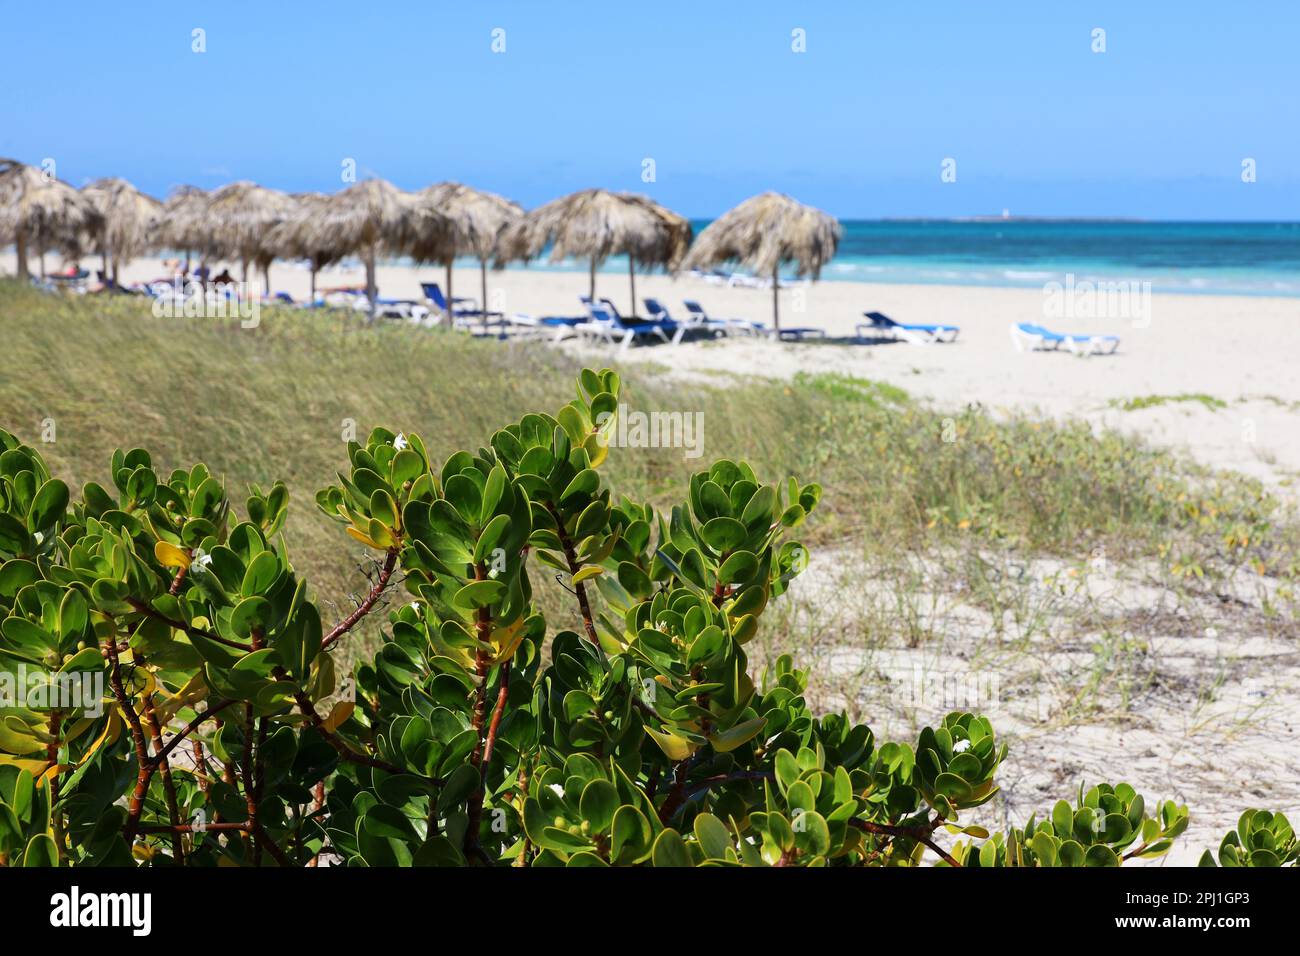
[374, 216]
[299, 234]
[764, 232]
[239, 217]
[477, 218]
[595, 224]
[130, 218]
[41, 210]
[183, 224]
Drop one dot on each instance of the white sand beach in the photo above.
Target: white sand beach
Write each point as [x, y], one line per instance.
[1240, 350]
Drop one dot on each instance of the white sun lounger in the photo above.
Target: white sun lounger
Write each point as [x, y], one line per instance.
[1035, 338]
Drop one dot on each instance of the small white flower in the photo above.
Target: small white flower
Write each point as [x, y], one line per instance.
[415, 606]
[557, 789]
[201, 560]
[400, 442]
[960, 745]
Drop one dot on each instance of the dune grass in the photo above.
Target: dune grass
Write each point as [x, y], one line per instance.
[279, 401]
[1155, 401]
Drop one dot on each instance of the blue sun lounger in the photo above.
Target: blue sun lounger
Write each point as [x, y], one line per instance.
[882, 324]
[659, 313]
[607, 327]
[433, 292]
[1036, 338]
[754, 328]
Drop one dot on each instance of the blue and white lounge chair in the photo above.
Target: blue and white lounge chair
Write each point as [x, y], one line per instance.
[882, 324]
[659, 313]
[1036, 338]
[604, 303]
[742, 326]
[797, 334]
[606, 327]
[433, 292]
[558, 327]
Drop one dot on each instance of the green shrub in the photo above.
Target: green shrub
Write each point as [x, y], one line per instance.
[474, 735]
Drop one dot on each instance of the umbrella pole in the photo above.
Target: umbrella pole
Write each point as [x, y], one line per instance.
[42, 262]
[266, 274]
[631, 278]
[103, 261]
[449, 319]
[117, 266]
[313, 282]
[371, 292]
[20, 241]
[776, 311]
[482, 267]
[592, 293]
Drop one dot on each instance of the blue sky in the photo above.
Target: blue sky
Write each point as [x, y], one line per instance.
[860, 123]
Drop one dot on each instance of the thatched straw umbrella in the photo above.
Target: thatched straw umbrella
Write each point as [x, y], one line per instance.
[129, 222]
[374, 217]
[240, 216]
[41, 210]
[478, 220]
[765, 231]
[595, 224]
[183, 223]
[300, 236]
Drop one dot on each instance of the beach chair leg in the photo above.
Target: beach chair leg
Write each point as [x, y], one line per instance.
[627, 340]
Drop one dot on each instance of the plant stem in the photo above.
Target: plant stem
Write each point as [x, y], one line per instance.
[148, 611]
[169, 786]
[677, 795]
[503, 691]
[482, 667]
[144, 769]
[919, 834]
[362, 609]
[52, 760]
[571, 557]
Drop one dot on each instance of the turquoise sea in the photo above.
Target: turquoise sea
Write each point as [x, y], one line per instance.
[1255, 258]
[1239, 258]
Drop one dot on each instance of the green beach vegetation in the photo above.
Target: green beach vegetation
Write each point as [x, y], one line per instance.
[492, 638]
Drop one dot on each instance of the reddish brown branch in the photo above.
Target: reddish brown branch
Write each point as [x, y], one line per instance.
[677, 795]
[343, 750]
[571, 557]
[157, 615]
[165, 767]
[362, 609]
[52, 760]
[241, 827]
[180, 577]
[144, 768]
[502, 693]
[482, 666]
[188, 729]
[921, 834]
[709, 783]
